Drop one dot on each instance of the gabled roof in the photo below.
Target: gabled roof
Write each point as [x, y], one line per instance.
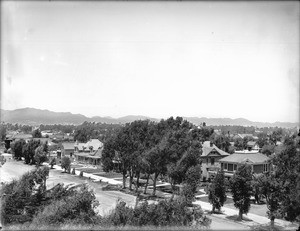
[207, 149]
[68, 145]
[254, 158]
[251, 143]
[95, 143]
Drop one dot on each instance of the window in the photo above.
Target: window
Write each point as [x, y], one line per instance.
[266, 167]
[206, 160]
[222, 167]
[225, 166]
[212, 161]
[230, 167]
[234, 167]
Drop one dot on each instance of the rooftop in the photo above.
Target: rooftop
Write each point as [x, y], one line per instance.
[254, 158]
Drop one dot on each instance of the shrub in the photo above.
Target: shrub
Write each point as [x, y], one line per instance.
[165, 213]
[65, 163]
[52, 162]
[81, 174]
[73, 171]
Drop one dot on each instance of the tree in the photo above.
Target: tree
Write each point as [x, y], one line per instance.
[40, 155]
[29, 151]
[241, 189]
[21, 199]
[36, 133]
[52, 162]
[287, 172]
[2, 132]
[17, 148]
[268, 149]
[65, 163]
[191, 183]
[217, 191]
[270, 189]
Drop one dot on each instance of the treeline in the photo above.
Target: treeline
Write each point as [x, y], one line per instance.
[27, 204]
[33, 152]
[170, 149]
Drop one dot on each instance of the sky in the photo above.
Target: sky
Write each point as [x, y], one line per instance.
[157, 59]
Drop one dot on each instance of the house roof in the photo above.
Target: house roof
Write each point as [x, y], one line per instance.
[254, 158]
[68, 145]
[22, 136]
[95, 143]
[207, 149]
[251, 143]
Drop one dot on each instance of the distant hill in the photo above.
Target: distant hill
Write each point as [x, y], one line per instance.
[34, 116]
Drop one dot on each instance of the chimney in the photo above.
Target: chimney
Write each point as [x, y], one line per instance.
[211, 143]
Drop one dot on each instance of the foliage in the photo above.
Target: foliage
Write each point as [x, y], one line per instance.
[40, 155]
[17, 149]
[217, 191]
[268, 149]
[241, 189]
[29, 151]
[287, 172]
[222, 142]
[65, 163]
[165, 213]
[270, 189]
[76, 205]
[36, 133]
[52, 162]
[22, 198]
[2, 132]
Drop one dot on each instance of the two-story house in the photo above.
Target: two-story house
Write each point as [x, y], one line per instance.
[210, 157]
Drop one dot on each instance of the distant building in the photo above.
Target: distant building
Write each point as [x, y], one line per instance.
[252, 145]
[89, 152]
[258, 162]
[210, 157]
[67, 149]
[90, 158]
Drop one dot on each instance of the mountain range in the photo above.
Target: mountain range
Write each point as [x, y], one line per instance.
[32, 116]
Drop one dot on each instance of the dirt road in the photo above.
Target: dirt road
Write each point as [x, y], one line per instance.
[14, 169]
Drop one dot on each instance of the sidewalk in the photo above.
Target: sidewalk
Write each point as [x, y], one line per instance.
[255, 219]
[90, 175]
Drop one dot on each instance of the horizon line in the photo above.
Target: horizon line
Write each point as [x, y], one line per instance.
[149, 117]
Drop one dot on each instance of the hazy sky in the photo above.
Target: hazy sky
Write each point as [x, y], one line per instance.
[158, 59]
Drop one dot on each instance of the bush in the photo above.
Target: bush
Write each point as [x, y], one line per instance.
[76, 206]
[65, 163]
[165, 213]
[81, 174]
[73, 171]
[52, 162]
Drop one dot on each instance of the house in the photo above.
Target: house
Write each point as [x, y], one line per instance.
[90, 158]
[252, 145]
[89, 152]
[67, 149]
[258, 162]
[210, 157]
[90, 146]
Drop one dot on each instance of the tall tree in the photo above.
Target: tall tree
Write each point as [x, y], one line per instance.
[36, 133]
[29, 151]
[17, 148]
[241, 189]
[217, 192]
[287, 172]
[270, 189]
